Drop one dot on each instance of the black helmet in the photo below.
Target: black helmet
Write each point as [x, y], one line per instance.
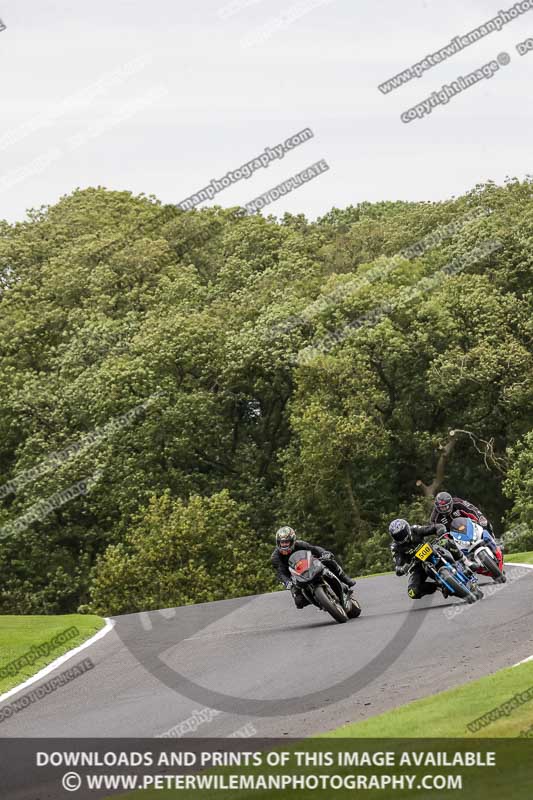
[444, 503]
[400, 530]
[285, 539]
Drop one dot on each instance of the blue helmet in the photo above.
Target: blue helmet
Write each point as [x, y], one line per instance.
[400, 530]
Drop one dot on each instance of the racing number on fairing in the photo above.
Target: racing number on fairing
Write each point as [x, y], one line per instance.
[424, 552]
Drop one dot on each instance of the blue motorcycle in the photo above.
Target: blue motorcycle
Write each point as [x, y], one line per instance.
[439, 565]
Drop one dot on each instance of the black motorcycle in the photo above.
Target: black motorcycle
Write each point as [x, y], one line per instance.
[321, 587]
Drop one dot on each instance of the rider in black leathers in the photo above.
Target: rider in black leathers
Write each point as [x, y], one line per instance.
[447, 508]
[406, 541]
[287, 543]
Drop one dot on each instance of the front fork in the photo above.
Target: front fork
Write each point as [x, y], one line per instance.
[462, 564]
[494, 551]
[337, 585]
[465, 578]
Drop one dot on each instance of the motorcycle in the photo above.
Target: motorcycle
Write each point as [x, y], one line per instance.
[321, 587]
[473, 540]
[439, 565]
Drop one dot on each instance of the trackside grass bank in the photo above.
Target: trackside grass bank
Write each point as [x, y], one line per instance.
[448, 714]
[499, 706]
[27, 644]
[520, 558]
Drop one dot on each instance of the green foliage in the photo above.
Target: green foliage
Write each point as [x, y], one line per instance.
[176, 554]
[518, 539]
[519, 486]
[306, 372]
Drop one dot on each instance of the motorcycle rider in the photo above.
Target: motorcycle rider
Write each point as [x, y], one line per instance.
[406, 539]
[447, 508]
[287, 543]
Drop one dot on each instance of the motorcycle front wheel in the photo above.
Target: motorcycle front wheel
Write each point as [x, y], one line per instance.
[491, 565]
[330, 604]
[459, 589]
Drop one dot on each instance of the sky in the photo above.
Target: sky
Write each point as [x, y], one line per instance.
[161, 98]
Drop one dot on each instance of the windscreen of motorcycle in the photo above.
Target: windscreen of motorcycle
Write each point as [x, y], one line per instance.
[300, 561]
[464, 530]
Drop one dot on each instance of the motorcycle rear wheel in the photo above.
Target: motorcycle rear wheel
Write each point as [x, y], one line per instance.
[333, 607]
[354, 608]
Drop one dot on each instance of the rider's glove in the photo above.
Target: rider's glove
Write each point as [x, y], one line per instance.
[401, 570]
[483, 521]
[326, 556]
[288, 584]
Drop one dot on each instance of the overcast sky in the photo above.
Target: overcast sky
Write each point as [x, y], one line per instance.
[162, 97]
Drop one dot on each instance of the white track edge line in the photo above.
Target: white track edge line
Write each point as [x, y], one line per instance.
[526, 566]
[524, 661]
[109, 625]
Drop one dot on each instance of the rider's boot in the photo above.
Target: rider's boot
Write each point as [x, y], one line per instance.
[346, 579]
[341, 575]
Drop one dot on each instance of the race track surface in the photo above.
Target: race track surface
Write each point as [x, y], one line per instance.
[280, 671]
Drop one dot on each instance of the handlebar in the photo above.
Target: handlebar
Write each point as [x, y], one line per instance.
[445, 535]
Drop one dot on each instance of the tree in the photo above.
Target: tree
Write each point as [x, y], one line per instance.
[312, 371]
[179, 553]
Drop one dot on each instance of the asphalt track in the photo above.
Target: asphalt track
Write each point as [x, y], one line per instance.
[264, 664]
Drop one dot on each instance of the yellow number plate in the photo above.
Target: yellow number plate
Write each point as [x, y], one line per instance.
[424, 552]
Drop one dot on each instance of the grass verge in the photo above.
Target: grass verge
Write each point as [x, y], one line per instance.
[49, 636]
[448, 714]
[520, 558]
[444, 715]
[374, 575]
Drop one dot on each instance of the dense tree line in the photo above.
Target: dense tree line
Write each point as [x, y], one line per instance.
[208, 375]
